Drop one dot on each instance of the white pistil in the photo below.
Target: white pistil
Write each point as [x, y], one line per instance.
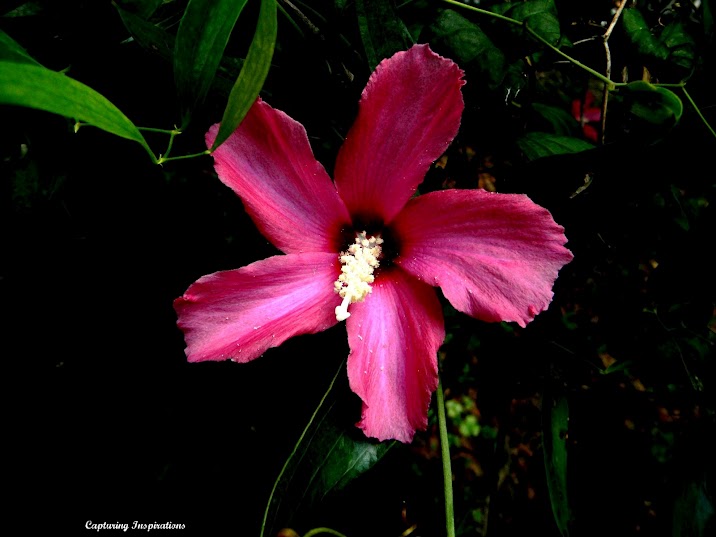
[359, 262]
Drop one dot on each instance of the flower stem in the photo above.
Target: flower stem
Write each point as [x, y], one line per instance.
[696, 109]
[447, 469]
[162, 160]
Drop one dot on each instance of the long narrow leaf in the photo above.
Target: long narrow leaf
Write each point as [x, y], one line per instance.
[201, 39]
[556, 414]
[148, 35]
[253, 73]
[33, 86]
[143, 8]
[11, 50]
[329, 455]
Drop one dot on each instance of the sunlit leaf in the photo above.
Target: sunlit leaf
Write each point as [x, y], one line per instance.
[10, 50]
[331, 453]
[383, 33]
[640, 35]
[555, 421]
[467, 44]
[201, 39]
[253, 73]
[536, 145]
[34, 86]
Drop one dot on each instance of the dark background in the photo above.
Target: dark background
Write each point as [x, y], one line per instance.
[107, 421]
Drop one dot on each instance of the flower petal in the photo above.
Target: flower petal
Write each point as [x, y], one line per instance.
[394, 336]
[268, 162]
[409, 113]
[238, 314]
[495, 256]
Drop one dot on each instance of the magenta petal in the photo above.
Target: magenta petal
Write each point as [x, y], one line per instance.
[238, 314]
[409, 113]
[495, 256]
[268, 162]
[394, 336]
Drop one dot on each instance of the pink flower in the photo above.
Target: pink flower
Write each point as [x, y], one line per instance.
[588, 114]
[365, 250]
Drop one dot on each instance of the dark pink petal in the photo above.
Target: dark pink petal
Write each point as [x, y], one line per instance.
[409, 113]
[394, 337]
[268, 162]
[495, 256]
[238, 314]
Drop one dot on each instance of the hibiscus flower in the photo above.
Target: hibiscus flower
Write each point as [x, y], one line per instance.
[365, 250]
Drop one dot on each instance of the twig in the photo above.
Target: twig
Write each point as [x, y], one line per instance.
[608, 70]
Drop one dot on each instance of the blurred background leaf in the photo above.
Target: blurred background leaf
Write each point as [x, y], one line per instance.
[382, 31]
[535, 145]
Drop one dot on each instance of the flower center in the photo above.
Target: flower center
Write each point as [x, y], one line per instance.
[358, 264]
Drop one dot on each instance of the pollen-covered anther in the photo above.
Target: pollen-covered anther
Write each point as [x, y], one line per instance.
[358, 264]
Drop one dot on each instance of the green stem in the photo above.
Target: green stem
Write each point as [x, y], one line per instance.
[162, 160]
[484, 12]
[143, 143]
[447, 468]
[169, 145]
[610, 84]
[698, 112]
[161, 131]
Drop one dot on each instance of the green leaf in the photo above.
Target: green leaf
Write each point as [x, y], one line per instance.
[651, 104]
[37, 87]
[516, 79]
[556, 415]
[641, 37]
[383, 33]
[147, 34]
[540, 16]
[681, 46]
[329, 455]
[694, 510]
[467, 44]
[708, 18]
[536, 145]
[253, 73]
[201, 39]
[10, 50]
[143, 8]
[28, 9]
[559, 119]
